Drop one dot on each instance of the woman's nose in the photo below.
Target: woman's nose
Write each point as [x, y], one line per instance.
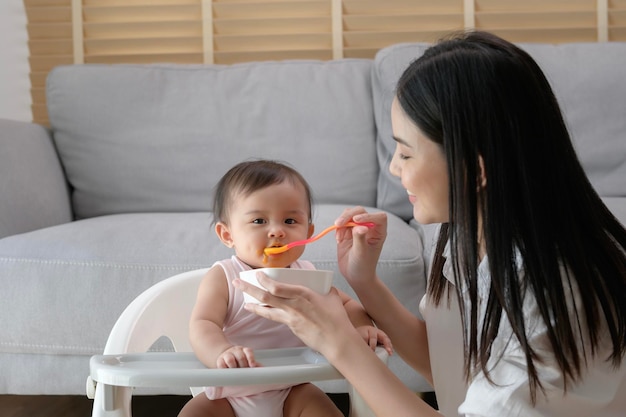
[394, 167]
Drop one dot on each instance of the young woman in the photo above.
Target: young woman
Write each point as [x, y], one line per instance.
[529, 273]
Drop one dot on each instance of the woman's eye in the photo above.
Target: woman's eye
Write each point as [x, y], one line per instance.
[403, 156]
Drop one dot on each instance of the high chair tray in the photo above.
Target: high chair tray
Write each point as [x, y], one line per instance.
[161, 369]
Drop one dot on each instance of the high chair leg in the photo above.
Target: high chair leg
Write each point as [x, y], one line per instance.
[112, 401]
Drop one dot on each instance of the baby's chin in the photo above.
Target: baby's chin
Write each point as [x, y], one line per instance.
[280, 260]
[274, 263]
[269, 262]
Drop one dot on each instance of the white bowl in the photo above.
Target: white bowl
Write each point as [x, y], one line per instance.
[315, 279]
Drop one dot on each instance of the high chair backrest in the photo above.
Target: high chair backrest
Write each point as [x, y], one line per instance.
[162, 310]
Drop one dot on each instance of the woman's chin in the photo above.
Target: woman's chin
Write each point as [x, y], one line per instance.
[424, 218]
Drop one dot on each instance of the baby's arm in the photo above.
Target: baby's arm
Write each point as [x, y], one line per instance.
[364, 324]
[207, 339]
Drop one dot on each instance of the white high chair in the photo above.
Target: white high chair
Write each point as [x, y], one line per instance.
[164, 310]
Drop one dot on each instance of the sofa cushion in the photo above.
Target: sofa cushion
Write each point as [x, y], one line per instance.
[588, 82]
[33, 188]
[147, 138]
[64, 286]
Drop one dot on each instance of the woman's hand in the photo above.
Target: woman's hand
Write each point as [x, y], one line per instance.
[359, 247]
[320, 321]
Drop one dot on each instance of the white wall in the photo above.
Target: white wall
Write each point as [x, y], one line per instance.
[15, 97]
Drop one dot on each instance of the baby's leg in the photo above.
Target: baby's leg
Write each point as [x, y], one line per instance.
[307, 400]
[201, 406]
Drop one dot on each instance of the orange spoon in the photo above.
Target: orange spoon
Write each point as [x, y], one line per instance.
[280, 249]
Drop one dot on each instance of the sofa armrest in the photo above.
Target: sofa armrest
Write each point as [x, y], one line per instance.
[33, 187]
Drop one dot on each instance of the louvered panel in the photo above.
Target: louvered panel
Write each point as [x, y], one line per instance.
[38, 79]
[40, 114]
[268, 26]
[548, 35]
[272, 43]
[140, 31]
[544, 20]
[375, 41]
[50, 44]
[50, 47]
[39, 94]
[238, 57]
[271, 30]
[617, 34]
[402, 23]
[143, 30]
[617, 20]
[177, 58]
[534, 6]
[44, 63]
[387, 7]
[146, 13]
[363, 53]
[123, 47]
[270, 9]
[49, 14]
[49, 30]
[369, 25]
[555, 21]
[45, 3]
[139, 3]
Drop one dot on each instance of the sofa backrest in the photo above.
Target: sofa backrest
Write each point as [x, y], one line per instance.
[135, 138]
[588, 81]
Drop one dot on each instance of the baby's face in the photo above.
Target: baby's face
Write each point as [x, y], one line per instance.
[272, 216]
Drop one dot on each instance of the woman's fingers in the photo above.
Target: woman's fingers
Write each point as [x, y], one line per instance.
[274, 295]
[314, 318]
[348, 215]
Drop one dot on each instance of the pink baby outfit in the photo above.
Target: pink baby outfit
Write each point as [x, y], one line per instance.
[247, 329]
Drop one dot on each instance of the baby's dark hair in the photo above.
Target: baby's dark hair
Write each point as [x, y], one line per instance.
[250, 176]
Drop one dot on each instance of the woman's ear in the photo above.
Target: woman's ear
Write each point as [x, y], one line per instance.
[311, 230]
[482, 175]
[223, 233]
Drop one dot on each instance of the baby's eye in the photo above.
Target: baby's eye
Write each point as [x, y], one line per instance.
[258, 221]
[291, 221]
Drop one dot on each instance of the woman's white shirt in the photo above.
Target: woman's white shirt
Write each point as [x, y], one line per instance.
[601, 392]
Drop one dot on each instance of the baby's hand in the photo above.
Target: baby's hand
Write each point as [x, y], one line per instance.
[236, 357]
[373, 336]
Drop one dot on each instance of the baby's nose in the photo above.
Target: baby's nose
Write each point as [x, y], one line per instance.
[277, 231]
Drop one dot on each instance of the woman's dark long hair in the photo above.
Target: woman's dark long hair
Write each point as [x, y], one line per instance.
[484, 100]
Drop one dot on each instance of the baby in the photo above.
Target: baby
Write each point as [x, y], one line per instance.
[258, 204]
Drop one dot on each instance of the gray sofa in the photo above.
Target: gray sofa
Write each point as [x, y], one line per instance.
[115, 196]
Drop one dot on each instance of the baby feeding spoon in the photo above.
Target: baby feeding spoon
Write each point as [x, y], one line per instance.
[280, 249]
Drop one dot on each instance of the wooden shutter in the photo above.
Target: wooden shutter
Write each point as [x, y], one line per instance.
[63, 32]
